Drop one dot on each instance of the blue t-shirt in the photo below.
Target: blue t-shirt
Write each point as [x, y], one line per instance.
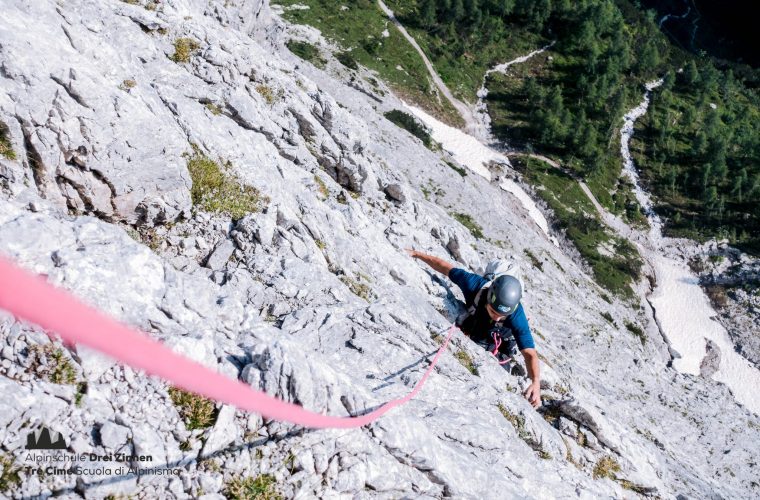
[517, 322]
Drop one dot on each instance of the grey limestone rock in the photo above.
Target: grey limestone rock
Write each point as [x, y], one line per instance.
[221, 254]
[313, 298]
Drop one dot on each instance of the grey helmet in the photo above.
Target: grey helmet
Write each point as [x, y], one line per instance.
[505, 293]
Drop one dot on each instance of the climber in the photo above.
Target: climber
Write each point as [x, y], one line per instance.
[497, 313]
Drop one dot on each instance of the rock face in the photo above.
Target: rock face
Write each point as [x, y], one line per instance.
[313, 298]
[711, 361]
[732, 281]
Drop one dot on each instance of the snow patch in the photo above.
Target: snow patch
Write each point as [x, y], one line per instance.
[385, 33]
[529, 205]
[626, 132]
[686, 317]
[470, 152]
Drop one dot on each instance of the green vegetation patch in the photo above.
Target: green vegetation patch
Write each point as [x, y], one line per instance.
[606, 467]
[321, 186]
[518, 422]
[52, 364]
[214, 108]
[569, 100]
[196, 411]
[578, 217]
[534, 260]
[637, 331]
[460, 170]
[411, 125]
[347, 60]
[216, 189]
[262, 487]
[306, 51]
[183, 49]
[9, 474]
[608, 317]
[361, 290]
[269, 94]
[468, 222]
[466, 361]
[6, 148]
[360, 29]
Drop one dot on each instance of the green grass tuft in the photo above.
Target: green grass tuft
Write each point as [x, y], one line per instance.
[358, 288]
[347, 60]
[261, 487]
[196, 411]
[518, 422]
[52, 364]
[606, 467]
[183, 49]
[461, 171]
[637, 331]
[269, 95]
[466, 361]
[307, 52]
[213, 108]
[9, 474]
[534, 260]
[6, 148]
[217, 190]
[321, 186]
[469, 223]
[608, 317]
[411, 125]
[81, 391]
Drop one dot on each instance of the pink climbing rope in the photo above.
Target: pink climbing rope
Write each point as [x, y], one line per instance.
[31, 298]
[497, 341]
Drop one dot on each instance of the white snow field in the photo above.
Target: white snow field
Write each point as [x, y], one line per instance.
[686, 317]
[473, 154]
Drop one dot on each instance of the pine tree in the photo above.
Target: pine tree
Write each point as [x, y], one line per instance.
[738, 185]
[504, 7]
[707, 177]
[691, 73]
[457, 11]
[588, 147]
[650, 57]
[711, 199]
[427, 13]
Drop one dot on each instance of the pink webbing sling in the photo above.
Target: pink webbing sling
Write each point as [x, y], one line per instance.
[31, 298]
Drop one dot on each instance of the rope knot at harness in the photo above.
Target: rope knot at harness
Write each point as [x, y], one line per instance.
[497, 341]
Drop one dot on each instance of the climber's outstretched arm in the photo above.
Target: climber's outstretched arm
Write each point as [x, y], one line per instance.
[533, 392]
[439, 265]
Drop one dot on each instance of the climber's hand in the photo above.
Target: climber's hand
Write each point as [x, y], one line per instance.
[412, 253]
[533, 394]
